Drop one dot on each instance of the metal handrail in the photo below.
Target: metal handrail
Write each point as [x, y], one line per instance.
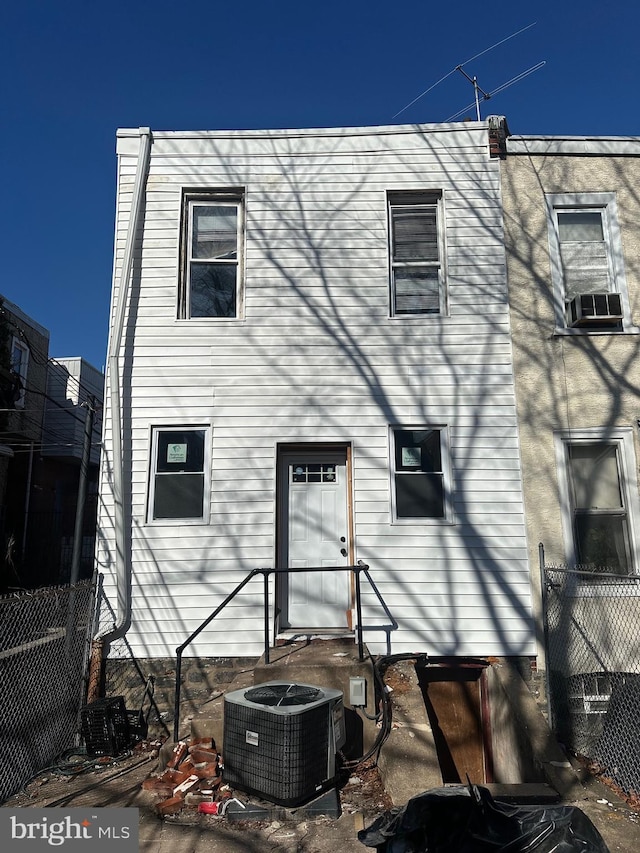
[359, 568]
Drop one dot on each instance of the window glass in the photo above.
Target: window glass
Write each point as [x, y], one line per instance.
[179, 477]
[212, 253]
[419, 474]
[600, 517]
[215, 232]
[580, 225]
[416, 268]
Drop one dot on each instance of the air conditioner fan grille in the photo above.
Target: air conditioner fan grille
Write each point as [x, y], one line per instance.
[283, 694]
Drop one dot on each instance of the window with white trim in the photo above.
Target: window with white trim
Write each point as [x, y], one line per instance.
[587, 267]
[416, 247]
[419, 467]
[179, 481]
[19, 368]
[599, 502]
[212, 252]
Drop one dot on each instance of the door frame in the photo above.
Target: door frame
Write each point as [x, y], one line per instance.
[285, 452]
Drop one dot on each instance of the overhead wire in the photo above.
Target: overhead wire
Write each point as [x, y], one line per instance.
[466, 62]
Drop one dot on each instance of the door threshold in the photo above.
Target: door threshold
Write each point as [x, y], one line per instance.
[292, 636]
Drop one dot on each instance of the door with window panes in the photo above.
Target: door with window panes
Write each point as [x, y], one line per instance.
[315, 533]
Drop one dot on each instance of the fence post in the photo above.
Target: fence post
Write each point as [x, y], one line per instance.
[545, 634]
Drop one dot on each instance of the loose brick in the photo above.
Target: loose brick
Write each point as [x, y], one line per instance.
[172, 805]
[158, 786]
[179, 752]
[185, 786]
[200, 754]
[201, 743]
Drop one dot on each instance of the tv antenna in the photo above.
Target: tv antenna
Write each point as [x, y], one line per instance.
[474, 80]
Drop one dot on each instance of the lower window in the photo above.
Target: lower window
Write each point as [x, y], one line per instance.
[178, 474]
[599, 503]
[418, 463]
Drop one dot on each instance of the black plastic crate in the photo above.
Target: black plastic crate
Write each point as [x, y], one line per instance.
[105, 726]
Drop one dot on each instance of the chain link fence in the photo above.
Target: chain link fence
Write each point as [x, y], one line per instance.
[592, 631]
[44, 645]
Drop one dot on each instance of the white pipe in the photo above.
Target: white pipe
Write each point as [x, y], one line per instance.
[123, 580]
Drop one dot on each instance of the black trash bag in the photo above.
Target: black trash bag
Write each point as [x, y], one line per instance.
[457, 819]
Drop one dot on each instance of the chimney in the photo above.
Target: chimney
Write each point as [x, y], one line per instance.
[498, 133]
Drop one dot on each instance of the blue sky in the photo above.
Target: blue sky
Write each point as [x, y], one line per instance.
[73, 71]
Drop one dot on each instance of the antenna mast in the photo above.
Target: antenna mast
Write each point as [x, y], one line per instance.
[476, 89]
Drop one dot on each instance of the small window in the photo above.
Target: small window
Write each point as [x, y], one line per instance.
[19, 368]
[417, 274]
[212, 255]
[178, 479]
[419, 482]
[586, 263]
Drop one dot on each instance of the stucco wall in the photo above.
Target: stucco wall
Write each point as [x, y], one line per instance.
[564, 382]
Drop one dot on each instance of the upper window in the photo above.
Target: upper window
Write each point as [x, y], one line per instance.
[419, 470]
[586, 263]
[179, 474]
[19, 367]
[599, 505]
[212, 255]
[416, 249]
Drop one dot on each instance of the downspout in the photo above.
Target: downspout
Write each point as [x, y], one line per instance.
[123, 586]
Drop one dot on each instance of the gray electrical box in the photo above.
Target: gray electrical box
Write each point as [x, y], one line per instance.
[357, 691]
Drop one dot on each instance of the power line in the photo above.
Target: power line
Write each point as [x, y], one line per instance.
[453, 70]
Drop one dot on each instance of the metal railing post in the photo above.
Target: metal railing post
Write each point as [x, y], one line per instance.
[176, 706]
[266, 615]
[358, 568]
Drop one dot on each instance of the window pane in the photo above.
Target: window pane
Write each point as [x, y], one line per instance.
[180, 450]
[601, 542]
[419, 495]
[213, 290]
[215, 230]
[417, 291]
[594, 476]
[415, 234]
[581, 226]
[178, 496]
[585, 267]
[418, 450]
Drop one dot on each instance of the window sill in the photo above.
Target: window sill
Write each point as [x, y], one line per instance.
[564, 332]
[431, 317]
[173, 522]
[206, 320]
[427, 522]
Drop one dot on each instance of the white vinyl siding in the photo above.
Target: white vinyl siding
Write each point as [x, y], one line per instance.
[317, 358]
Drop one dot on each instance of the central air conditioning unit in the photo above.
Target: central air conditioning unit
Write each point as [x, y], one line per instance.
[593, 309]
[281, 739]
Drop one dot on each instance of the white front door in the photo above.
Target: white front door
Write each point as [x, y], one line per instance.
[317, 532]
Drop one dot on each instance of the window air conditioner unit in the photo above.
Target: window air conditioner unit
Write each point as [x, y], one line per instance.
[591, 309]
[281, 739]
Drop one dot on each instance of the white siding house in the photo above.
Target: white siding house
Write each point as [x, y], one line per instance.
[310, 359]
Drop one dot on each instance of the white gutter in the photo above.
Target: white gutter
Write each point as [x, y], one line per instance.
[123, 579]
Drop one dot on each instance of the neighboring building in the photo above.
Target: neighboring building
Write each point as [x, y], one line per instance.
[41, 440]
[24, 350]
[72, 386]
[571, 212]
[314, 367]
